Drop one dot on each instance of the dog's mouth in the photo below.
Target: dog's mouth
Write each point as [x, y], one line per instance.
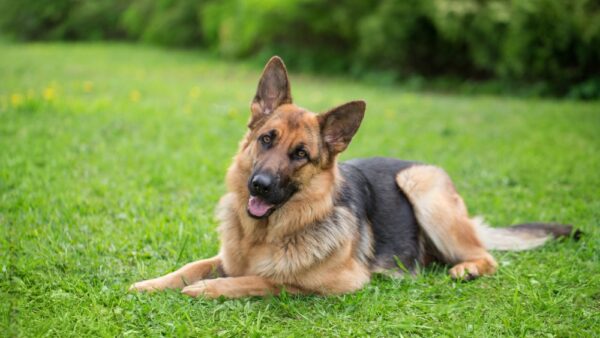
[259, 208]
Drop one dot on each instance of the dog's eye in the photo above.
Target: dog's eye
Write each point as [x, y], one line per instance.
[265, 139]
[301, 154]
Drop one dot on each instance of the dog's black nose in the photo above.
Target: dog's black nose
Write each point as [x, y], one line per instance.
[262, 184]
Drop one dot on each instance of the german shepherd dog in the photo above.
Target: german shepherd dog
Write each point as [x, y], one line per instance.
[295, 219]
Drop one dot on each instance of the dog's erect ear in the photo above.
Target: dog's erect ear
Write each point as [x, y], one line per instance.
[273, 90]
[339, 125]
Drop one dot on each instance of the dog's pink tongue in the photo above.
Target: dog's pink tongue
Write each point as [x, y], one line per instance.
[258, 207]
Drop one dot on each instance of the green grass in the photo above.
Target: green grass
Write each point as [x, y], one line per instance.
[112, 159]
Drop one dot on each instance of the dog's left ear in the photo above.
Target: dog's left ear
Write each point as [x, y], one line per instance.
[273, 90]
[339, 125]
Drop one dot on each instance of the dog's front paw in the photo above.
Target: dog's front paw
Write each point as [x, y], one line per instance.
[149, 285]
[202, 288]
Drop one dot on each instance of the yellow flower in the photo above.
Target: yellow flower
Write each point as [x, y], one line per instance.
[88, 86]
[194, 92]
[135, 95]
[49, 93]
[16, 100]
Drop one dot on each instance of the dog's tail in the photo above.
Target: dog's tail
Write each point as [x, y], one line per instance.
[521, 236]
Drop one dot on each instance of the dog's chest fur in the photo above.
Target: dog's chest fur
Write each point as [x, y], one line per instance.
[284, 256]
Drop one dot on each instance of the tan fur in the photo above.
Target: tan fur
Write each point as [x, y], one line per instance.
[443, 216]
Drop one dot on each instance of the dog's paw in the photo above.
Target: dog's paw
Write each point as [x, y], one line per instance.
[465, 271]
[149, 285]
[202, 288]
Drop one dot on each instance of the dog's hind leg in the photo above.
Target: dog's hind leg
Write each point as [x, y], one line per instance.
[186, 275]
[442, 215]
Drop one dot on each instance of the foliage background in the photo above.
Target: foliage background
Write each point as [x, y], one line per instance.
[541, 47]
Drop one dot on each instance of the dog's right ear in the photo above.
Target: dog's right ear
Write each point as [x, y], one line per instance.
[339, 125]
[273, 90]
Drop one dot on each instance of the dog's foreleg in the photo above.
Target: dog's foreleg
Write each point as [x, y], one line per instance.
[236, 287]
[186, 275]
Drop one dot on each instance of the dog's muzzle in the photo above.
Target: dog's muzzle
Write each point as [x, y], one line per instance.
[262, 188]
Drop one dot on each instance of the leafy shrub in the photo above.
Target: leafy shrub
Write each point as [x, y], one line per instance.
[94, 20]
[164, 22]
[62, 19]
[35, 19]
[554, 42]
[550, 45]
[401, 36]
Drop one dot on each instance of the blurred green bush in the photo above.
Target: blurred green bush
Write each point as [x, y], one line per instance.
[550, 45]
[164, 22]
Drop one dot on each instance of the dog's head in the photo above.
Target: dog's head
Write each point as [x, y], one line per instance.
[288, 146]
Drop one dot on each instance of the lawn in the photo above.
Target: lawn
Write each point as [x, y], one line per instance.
[112, 159]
